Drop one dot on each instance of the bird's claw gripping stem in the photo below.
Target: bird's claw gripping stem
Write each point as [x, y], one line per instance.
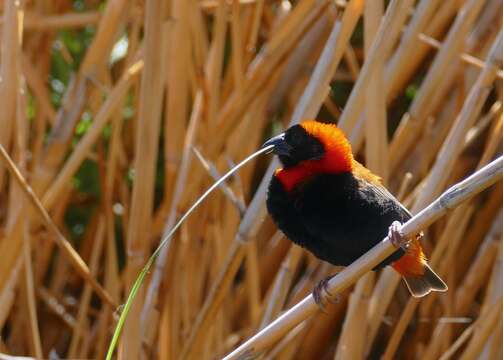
[321, 293]
[396, 237]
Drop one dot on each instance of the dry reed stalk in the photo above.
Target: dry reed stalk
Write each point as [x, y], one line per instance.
[405, 52]
[445, 161]
[59, 238]
[355, 123]
[467, 291]
[477, 230]
[479, 270]
[248, 135]
[316, 270]
[259, 72]
[275, 252]
[177, 48]
[20, 149]
[178, 191]
[146, 147]
[279, 290]
[451, 237]
[412, 123]
[291, 346]
[10, 89]
[490, 22]
[433, 136]
[212, 4]
[71, 20]
[176, 97]
[287, 348]
[200, 36]
[318, 336]
[436, 27]
[297, 60]
[492, 347]
[12, 34]
[451, 198]
[351, 346]
[234, 257]
[252, 39]
[253, 282]
[467, 58]
[79, 329]
[75, 96]
[482, 332]
[316, 90]
[471, 108]
[260, 69]
[352, 62]
[30, 293]
[7, 296]
[215, 61]
[84, 146]
[37, 86]
[387, 34]
[111, 278]
[379, 302]
[376, 134]
[399, 329]
[54, 148]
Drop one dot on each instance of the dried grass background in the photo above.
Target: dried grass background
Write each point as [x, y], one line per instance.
[119, 114]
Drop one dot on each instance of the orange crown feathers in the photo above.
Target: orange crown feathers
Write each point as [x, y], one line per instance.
[338, 154]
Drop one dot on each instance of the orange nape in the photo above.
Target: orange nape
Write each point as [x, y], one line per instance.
[338, 156]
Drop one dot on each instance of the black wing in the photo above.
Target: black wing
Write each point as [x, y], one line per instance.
[346, 216]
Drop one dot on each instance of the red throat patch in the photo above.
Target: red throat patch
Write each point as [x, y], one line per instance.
[338, 157]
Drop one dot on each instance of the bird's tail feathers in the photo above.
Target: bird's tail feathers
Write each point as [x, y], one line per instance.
[422, 285]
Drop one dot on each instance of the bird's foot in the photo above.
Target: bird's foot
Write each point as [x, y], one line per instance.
[321, 293]
[396, 237]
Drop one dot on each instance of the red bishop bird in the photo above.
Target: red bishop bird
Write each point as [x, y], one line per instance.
[330, 204]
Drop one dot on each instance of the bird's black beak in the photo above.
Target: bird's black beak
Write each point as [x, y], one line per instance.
[281, 147]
